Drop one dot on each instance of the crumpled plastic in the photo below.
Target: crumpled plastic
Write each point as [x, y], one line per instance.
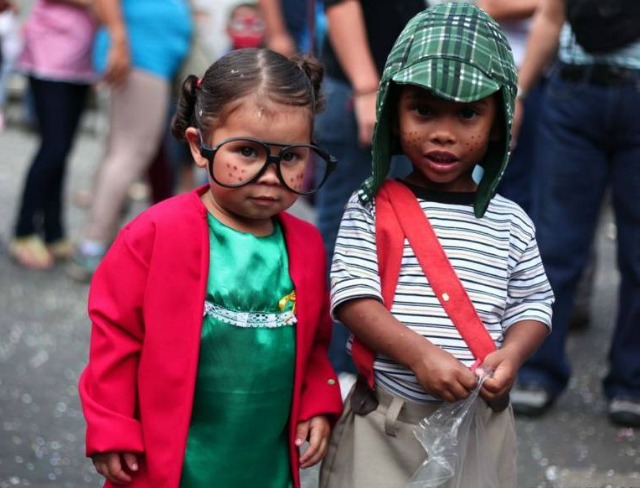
[454, 438]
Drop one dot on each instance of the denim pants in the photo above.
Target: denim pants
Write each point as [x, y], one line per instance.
[59, 106]
[521, 179]
[589, 141]
[336, 130]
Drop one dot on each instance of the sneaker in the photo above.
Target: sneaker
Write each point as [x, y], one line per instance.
[82, 266]
[625, 411]
[530, 400]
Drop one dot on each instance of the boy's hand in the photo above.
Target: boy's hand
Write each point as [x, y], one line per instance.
[505, 369]
[316, 430]
[441, 374]
[115, 466]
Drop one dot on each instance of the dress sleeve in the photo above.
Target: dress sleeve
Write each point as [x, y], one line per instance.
[108, 386]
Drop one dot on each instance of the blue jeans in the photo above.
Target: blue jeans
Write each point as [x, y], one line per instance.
[336, 130]
[589, 141]
[521, 179]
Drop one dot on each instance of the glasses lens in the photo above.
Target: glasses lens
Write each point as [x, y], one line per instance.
[303, 168]
[238, 161]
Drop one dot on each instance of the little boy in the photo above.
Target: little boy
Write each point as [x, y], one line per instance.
[446, 101]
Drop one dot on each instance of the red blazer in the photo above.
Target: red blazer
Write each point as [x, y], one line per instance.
[146, 305]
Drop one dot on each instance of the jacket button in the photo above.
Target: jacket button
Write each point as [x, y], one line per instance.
[331, 382]
[445, 297]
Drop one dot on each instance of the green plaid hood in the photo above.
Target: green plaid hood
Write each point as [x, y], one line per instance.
[459, 53]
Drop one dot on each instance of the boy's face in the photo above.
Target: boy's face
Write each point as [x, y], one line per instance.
[443, 139]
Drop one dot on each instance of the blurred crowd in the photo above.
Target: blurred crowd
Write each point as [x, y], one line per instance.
[578, 138]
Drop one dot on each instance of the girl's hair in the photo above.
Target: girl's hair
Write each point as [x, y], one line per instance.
[260, 72]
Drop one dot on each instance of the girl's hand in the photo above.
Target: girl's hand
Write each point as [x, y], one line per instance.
[316, 431]
[441, 374]
[114, 466]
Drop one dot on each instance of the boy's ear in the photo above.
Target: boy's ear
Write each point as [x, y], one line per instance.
[193, 139]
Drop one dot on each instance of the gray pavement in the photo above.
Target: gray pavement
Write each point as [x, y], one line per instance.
[43, 347]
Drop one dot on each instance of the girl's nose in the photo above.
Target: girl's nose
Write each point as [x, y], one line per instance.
[270, 175]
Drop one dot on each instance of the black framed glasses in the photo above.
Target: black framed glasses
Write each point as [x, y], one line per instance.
[240, 161]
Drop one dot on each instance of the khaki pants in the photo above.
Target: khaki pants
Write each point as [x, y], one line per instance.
[379, 450]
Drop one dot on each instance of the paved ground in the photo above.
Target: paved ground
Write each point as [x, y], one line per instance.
[43, 346]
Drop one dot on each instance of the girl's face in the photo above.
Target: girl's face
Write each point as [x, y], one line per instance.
[250, 208]
[443, 139]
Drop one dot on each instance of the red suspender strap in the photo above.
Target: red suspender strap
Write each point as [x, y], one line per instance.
[389, 246]
[398, 214]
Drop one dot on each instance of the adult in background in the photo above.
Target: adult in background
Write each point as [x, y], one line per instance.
[589, 141]
[57, 59]
[138, 51]
[360, 34]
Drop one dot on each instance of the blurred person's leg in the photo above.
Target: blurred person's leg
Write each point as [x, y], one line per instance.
[58, 106]
[623, 380]
[573, 159]
[522, 176]
[336, 130]
[137, 120]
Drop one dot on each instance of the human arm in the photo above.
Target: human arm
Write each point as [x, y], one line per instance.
[118, 64]
[504, 10]
[278, 37]
[528, 310]
[116, 466]
[437, 371]
[521, 341]
[348, 35]
[542, 45]
[108, 385]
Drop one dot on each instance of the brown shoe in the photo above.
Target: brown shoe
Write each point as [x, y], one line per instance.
[30, 252]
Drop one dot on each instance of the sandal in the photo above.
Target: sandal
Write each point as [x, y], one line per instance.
[30, 252]
[61, 250]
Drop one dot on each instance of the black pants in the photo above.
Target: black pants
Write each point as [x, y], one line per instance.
[58, 107]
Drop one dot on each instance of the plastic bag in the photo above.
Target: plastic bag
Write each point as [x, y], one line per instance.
[455, 441]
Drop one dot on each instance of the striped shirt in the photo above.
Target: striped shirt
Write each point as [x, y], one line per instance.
[495, 257]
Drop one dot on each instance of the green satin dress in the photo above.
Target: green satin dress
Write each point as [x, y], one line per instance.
[238, 433]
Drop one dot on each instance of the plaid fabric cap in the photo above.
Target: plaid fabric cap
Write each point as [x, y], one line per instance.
[459, 53]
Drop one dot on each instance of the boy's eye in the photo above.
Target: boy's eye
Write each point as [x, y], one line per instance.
[468, 113]
[422, 110]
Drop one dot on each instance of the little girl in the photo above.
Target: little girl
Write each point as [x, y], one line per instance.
[208, 362]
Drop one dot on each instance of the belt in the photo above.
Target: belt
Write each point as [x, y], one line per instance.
[598, 74]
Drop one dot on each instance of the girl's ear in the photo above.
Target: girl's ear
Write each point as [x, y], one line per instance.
[193, 139]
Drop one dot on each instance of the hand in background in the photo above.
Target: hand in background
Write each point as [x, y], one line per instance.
[364, 105]
[118, 63]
